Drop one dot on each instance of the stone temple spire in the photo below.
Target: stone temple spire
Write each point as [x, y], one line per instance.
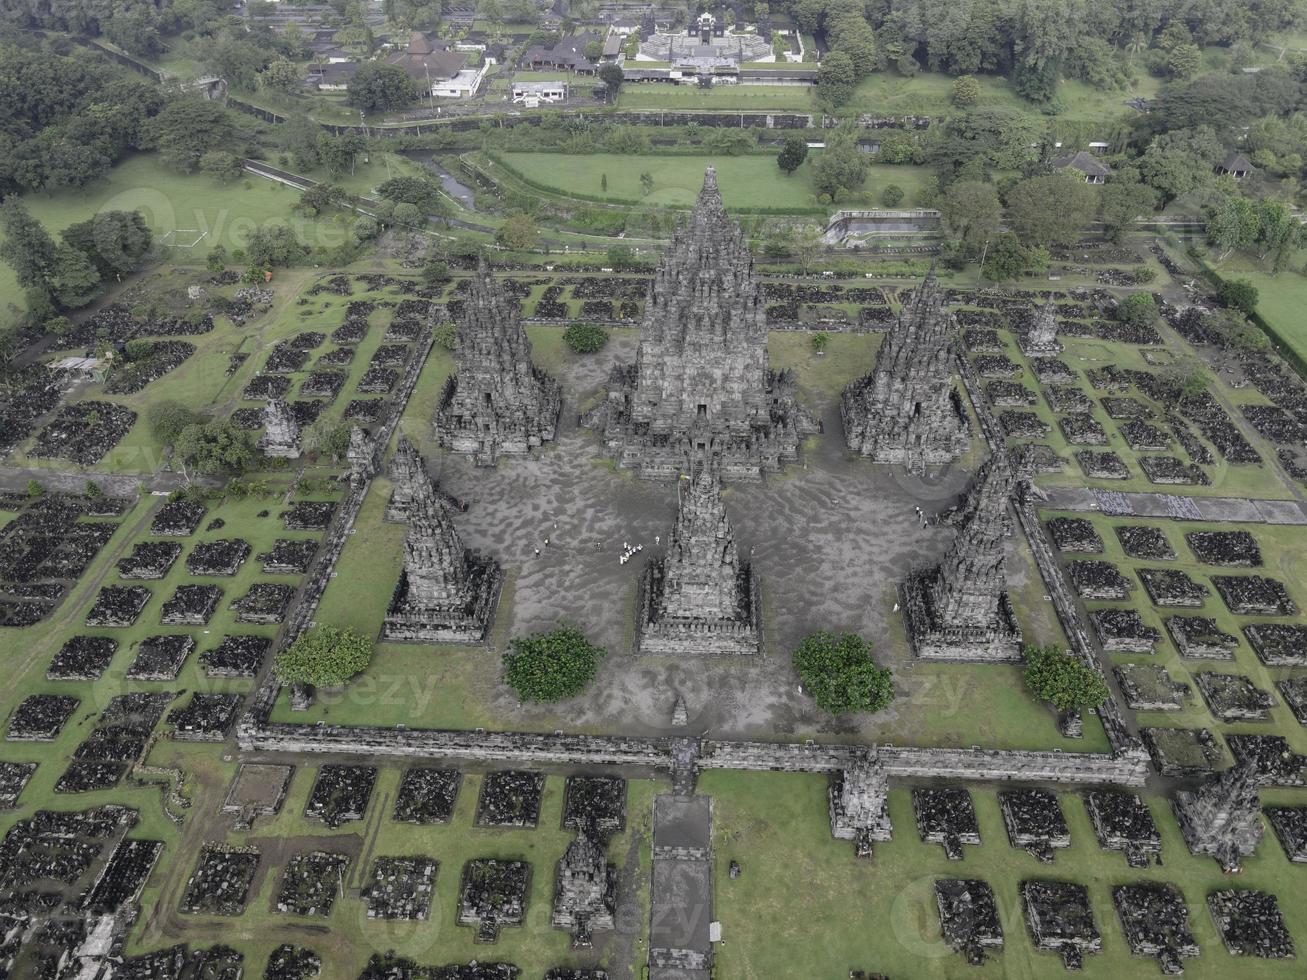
[701, 382]
[906, 410]
[497, 402]
[446, 594]
[959, 610]
[701, 598]
[858, 799]
[1041, 339]
[1222, 818]
[409, 479]
[584, 890]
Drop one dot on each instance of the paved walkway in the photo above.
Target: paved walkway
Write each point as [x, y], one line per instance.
[681, 909]
[1237, 510]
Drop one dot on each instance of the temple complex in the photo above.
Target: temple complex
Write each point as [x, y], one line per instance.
[906, 410]
[497, 402]
[701, 598]
[959, 610]
[701, 384]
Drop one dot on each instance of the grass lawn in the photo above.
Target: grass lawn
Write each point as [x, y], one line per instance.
[804, 906]
[1280, 298]
[171, 201]
[746, 182]
[756, 98]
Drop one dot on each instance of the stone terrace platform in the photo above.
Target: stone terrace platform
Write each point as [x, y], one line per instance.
[1238, 510]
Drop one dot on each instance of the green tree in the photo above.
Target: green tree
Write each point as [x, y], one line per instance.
[820, 341]
[793, 153]
[518, 232]
[965, 91]
[317, 198]
[409, 215]
[189, 127]
[281, 76]
[435, 272]
[836, 78]
[1121, 202]
[1007, 258]
[1137, 309]
[324, 656]
[115, 241]
[446, 335]
[74, 279]
[1183, 61]
[1231, 222]
[378, 87]
[840, 167]
[1051, 210]
[851, 35]
[891, 195]
[27, 247]
[611, 74]
[1279, 232]
[213, 448]
[971, 212]
[840, 674]
[585, 338]
[424, 194]
[646, 184]
[167, 420]
[224, 167]
[551, 666]
[274, 245]
[1238, 294]
[1062, 679]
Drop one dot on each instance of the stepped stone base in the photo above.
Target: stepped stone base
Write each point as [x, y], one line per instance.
[698, 637]
[411, 622]
[932, 640]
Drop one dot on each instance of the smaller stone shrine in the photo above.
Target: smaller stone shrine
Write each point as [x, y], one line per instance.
[585, 895]
[959, 610]
[1222, 818]
[859, 803]
[281, 433]
[1041, 339]
[446, 593]
[702, 598]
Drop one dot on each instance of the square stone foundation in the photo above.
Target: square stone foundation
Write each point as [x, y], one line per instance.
[675, 637]
[410, 622]
[997, 644]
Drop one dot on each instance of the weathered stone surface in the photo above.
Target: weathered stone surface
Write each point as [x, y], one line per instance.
[1222, 817]
[1182, 751]
[959, 610]
[907, 410]
[1150, 688]
[702, 598]
[701, 381]
[446, 593]
[1155, 921]
[1123, 822]
[1034, 821]
[1233, 697]
[1250, 923]
[1041, 339]
[859, 803]
[585, 890]
[968, 917]
[497, 402]
[947, 817]
[1290, 826]
[1061, 920]
[281, 433]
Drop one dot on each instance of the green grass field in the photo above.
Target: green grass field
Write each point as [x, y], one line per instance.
[792, 911]
[188, 204]
[1280, 298]
[746, 182]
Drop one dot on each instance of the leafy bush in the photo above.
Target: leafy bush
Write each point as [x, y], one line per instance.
[1062, 679]
[447, 335]
[585, 338]
[1137, 309]
[891, 195]
[840, 673]
[1239, 294]
[551, 666]
[324, 657]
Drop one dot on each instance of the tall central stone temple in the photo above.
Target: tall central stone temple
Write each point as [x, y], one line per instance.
[446, 593]
[959, 610]
[907, 410]
[701, 384]
[701, 598]
[497, 402]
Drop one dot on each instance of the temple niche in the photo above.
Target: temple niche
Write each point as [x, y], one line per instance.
[497, 402]
[907, 410]
[701, 598]
[446, 593]
[701, 385]
[959, 609]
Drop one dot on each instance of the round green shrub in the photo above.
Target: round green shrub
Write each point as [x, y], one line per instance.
[551, 666]
[324, 657]
[840, 674]
[585, 338]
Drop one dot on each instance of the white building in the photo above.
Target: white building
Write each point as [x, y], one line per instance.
[532, 94]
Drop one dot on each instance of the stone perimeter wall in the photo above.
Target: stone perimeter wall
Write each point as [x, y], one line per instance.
[591, 750]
